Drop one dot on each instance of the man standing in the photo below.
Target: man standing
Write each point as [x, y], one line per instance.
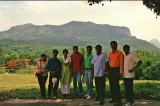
[88, 72]
[77, 67]
[99, 62]
[116, 65]
[129, 73]
[54, 66]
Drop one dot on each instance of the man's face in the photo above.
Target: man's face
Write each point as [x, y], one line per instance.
[126, 50]
[75, 50]
[89, 50]
[98, 50]
[113, 46]
[55, 54]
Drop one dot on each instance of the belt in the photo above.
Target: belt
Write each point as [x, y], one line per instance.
[87, 68]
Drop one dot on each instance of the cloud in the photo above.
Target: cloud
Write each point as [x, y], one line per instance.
[133, 14]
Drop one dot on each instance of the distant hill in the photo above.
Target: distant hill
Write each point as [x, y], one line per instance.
[75, 33]
[155, 42]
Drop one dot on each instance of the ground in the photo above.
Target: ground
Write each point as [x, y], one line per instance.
[68, 102]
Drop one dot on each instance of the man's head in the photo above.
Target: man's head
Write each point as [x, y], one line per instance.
[98, 49]
[89, 49]
[55, 53]
[113, 45]
[126, 49]
[75, 49]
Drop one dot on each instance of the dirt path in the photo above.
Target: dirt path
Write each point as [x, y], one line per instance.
[68, 102]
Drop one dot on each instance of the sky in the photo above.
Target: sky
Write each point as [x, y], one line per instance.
[141, 21]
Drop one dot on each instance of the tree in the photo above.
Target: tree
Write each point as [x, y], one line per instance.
[151, 4]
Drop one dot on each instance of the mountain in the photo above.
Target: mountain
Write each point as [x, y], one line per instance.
[75, 33]
[72, 32]
[155, 42]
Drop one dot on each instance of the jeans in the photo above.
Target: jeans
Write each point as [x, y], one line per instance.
[77, 76]
[128, 84]
[42, 81]
[89, 81]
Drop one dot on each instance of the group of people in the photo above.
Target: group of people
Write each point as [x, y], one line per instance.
[91, 67]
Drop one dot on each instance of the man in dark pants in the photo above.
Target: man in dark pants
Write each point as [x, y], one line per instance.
[54, 66]
[100, 61]
[129, 74]
[116, 65]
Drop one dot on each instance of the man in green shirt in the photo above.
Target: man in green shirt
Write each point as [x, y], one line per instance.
[88, 72]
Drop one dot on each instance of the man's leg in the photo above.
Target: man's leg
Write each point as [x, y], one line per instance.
[102, 89]
[90, 83]
[75, 82]
[86, 80]
[111, 83]
[50, 86]
[97, 88]
[80, 82]
[55, 88]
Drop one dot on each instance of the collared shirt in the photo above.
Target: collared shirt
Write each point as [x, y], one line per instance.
[76, 62]
[87, 60]
[54, 64]
[99, 62]
[116, 59]
[129, 63]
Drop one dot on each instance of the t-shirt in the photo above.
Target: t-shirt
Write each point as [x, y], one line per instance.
[76, 62]
[129, 63]
[99, 62]
[87, 60]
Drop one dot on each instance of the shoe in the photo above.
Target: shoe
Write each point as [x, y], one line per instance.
[101, 103]
[132, 103]
[118, 104]
[128, 104]
[96, 99]
[112, 101]
[89, 97]
[86, 95]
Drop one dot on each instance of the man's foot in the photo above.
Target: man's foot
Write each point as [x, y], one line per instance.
[112, 101]
[130, 104]
[118, 104]
[86, 95]
[89, 97]
[101, 102]
[97, 99]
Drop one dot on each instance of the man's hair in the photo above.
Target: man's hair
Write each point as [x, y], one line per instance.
[99, 46]
[55, 51]
[126, 46]
[43, 55]
[65, 50]
[75, 47]
[89, 47]
[114, 42]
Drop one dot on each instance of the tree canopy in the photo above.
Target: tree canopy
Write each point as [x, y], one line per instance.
[150, 4]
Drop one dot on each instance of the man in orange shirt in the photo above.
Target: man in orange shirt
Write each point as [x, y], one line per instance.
[116, 65]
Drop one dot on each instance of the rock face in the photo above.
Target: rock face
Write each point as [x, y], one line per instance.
[155, 42]
[74, 29]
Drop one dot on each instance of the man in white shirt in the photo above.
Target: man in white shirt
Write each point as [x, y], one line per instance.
[99, 68]
[131, 62]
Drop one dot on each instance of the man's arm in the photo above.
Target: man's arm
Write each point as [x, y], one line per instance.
[83, 65]
[121, 63]
[137, 65]
[92, 70]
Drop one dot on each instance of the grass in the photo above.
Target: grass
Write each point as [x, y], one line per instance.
[25, 86]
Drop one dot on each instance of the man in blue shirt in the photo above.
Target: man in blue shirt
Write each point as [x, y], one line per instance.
[54, 66]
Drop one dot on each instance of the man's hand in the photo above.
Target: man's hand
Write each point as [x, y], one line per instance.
[120, 74]
[106, 74]
[130, 71]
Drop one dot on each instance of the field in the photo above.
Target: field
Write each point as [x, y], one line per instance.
[25, 86]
